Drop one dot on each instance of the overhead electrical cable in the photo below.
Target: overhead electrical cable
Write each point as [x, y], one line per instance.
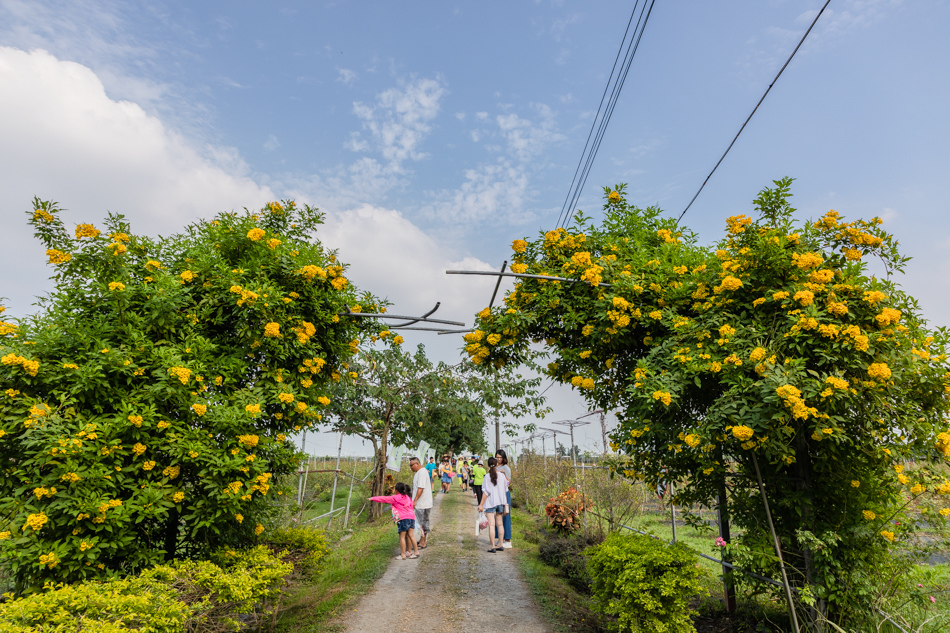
[618, 75]
[800, 42]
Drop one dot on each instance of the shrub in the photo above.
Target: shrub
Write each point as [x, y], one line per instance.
[303, 547]
[197, 596]
[645, 583]
[565, 510]
[567, 554]
[144, 411]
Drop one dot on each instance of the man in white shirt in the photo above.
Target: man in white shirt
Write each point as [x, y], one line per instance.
[422, 499]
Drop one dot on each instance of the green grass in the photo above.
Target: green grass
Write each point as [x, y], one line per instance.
[351, 568]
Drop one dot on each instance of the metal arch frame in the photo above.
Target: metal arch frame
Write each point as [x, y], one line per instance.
[409, 320]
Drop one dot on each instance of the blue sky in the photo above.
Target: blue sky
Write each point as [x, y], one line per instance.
[434, 133]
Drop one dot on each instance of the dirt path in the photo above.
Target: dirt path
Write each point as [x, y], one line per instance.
[455, 583]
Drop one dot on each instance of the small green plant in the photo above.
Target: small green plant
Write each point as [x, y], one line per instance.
[644, 583]
[565, 510]
[303, 547]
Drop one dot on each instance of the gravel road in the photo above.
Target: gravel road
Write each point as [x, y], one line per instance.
[455, 584]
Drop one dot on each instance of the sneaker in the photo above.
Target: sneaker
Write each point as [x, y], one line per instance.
[507, 545]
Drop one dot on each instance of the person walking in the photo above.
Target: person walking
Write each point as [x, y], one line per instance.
[478, 476]
[494, 490]
[463, 474]
[405, 517]
[421, 500]
[431, 467]
[445, 473]
[502, 458]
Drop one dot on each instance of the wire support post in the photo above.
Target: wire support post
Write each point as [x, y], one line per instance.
[778, 548]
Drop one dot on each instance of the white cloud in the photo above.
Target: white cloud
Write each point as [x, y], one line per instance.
[401, 118]
[392, 257]
[526, 139]
[66, 140]
[271, 143]
[346, 76]
[496, 192]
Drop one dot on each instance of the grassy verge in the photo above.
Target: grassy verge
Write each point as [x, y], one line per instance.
[562, 607]
[354, 563]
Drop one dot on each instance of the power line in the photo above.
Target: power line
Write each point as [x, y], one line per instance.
[802, 41]
[604, 112]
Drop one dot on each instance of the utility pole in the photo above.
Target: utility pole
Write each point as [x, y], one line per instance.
[497, 431]
[603, 425]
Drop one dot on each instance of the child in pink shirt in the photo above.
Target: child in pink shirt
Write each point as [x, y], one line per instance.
[404, 514]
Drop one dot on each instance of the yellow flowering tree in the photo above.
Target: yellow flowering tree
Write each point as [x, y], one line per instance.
[776, 345]
[145, 407]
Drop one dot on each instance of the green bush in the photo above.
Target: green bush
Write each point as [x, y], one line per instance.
[197, 596]
[645, 583]
[567, 554]
[301, 546]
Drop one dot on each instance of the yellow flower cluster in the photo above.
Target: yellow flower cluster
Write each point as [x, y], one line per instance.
[117, 248]
[49, 560]
[29, 366]
[339, 283]
[742, 433]
[874, 296]
[58, 257]
[663, 397]
[153, 265]
[273, 243]
[692, 440]
[888, 316]
[729, 283]
[311, 271]
[737, 223]
[804, 297]
[583, 383]
[888, 535]
[247, 296]
[70, 478]
[879, 371]
[148, 465]
[199, 409]
[178, 497]
[250, 441]
[869, 515]
[613, 196]
[285, 397]
[172, 471]
[757, 354]
[35, 522]
[139, 448]
[255, 234]
[253, 409]
[42, 214]
[791, 396]
[313, 365]
[136, 420]
[182, 373]
[519, 246]
[116, 285]
[304, 331]
[838, 308]
[806, 261]
[44, 492]
[943, 443]
[234, 487]
[259, 529]
[187, 276]
[272, 330]
[323, 400]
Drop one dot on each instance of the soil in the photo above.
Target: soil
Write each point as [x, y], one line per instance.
[455, 583]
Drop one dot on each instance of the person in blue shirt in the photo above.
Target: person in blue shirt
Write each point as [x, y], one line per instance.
[431, 467]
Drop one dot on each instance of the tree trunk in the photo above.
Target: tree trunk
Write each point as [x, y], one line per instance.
[379, 472]
[171, 535]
